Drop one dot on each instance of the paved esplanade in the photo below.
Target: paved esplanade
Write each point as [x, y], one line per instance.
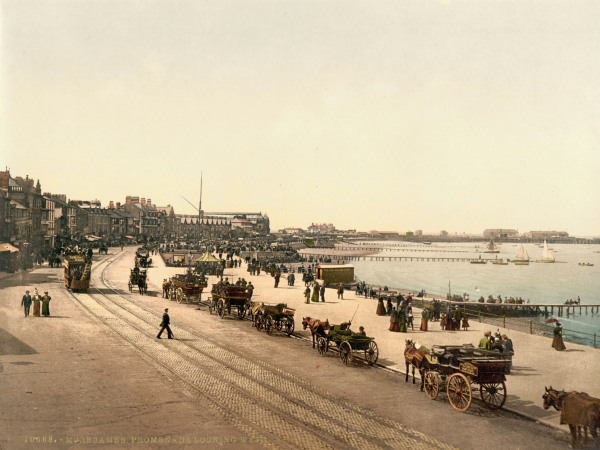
[223, 382]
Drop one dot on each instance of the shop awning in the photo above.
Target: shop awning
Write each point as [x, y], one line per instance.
[6, 247]
[129, 237]
[91, 237]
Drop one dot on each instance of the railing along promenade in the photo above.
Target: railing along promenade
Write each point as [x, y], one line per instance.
[496, 314]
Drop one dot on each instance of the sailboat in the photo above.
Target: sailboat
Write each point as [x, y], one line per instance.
[522, 257]
[547, 257]
[492, 247]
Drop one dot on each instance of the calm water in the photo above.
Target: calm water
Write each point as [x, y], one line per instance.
[540, 283]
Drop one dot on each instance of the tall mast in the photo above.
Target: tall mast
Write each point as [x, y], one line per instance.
[200, 208]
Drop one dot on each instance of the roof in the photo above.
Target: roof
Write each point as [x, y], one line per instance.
[207, 257]
[336, 266]
[17, 205]
[6, 247]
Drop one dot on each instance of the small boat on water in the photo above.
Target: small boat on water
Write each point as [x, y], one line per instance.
[586, 264]
[547, 257]
[522, 257]
[492, 248]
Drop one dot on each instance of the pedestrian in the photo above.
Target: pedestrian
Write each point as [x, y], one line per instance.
[424, 319]
[46, 304]
[394, 321]
[322, 292]
[307, 294]
[409, 317]
[26, 303]
[465, 323]
[36, 304]
[165, 325]
[250, 290]
[557, 341]
[380, 307]
[315, 295]
[388, 306]
[340, 291]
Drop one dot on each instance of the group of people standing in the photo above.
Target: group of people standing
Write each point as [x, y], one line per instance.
[318, 292]
[37, 301]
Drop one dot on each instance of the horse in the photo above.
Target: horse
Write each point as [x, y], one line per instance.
[166, 286]
[417, 359]
[577, 410]
[317, 328]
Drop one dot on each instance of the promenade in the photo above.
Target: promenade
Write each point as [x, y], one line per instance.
[535, 363]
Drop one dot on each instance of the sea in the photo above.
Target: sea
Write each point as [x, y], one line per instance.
[540, 283]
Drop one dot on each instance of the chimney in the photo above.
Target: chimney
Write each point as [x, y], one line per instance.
[111, 205]
[143, 201]
[128, 200]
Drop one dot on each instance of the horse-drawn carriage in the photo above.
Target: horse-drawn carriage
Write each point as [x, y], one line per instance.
[78, 271]
[138, 278]
[103, 249]
[142, 258]
[225, 297]
[348, 342]
[186, 287]
[455, 369]
[272, 317]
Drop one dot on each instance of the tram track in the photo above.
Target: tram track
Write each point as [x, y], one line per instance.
[275, 408]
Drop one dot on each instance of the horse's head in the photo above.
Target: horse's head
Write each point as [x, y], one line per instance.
[305, 321]
[552, 398]
[409, 343]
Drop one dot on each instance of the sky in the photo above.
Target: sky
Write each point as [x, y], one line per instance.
[370, 115]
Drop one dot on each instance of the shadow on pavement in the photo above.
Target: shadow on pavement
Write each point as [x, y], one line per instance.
[10, 345]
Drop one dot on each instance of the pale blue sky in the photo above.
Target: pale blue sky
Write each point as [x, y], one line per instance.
[370, 115]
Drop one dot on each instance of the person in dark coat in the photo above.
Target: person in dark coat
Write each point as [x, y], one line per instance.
[26, 303]
[380, 307]
[165, 325]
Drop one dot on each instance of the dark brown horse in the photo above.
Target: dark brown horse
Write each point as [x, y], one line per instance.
[577, 410]
[417, 359]
[317, 328]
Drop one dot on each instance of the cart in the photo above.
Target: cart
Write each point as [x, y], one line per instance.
[187, 287]
[272, 317]
[226, 297]
[456, 368]
[134, 280]
[348, 343]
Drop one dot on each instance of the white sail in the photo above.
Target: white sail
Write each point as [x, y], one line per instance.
[546, 253]
[521, 253]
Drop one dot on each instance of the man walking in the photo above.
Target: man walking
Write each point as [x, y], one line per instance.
[26, 303]
[165, 325]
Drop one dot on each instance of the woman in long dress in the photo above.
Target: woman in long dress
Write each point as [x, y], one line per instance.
[46, 304]
[424, 320]
[36, 304]
[394, 321]
[557, 342]
[380, 308]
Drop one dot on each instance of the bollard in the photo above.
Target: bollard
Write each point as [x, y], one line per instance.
[503, 321]
[531, 327]
[595, 340]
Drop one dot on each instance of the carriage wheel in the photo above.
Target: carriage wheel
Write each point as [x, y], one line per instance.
[493, 394]
[346, 352]
[278, 324]
[372, 353]
[269, 324]
[321, 345]
[432, 384]
[221, 309]
[179, 295]
[459, 392]
[259, 322]
[288, 325]
[130, 287]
